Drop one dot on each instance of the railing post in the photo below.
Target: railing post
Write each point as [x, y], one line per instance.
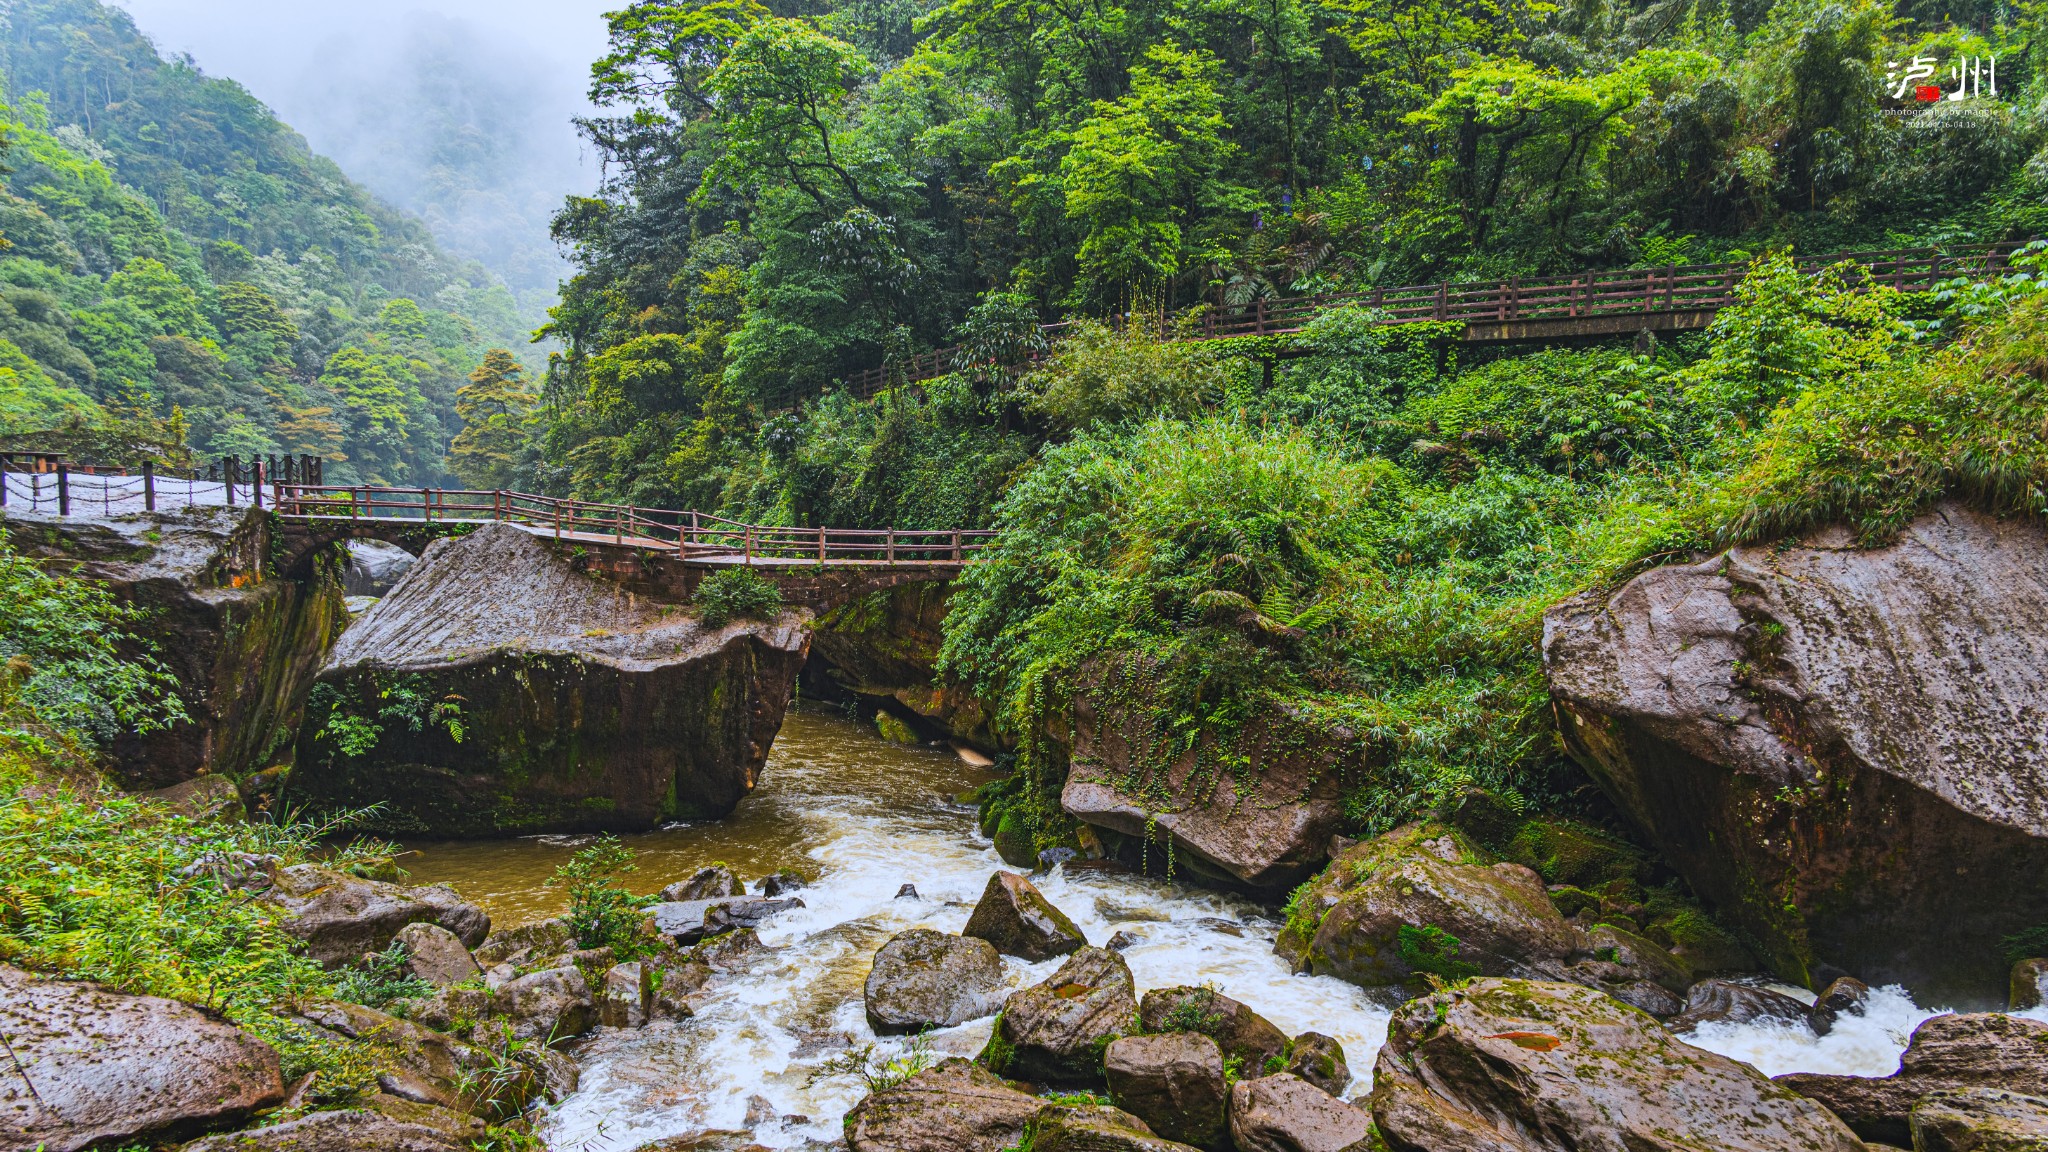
[63, 489]
[230, 471]
[148, 486]
[3, 480]
[747, 556]
[956, 546]
[892, 546]
[256, 482]
[1670, 286]
[1443, 295]
[821, 544]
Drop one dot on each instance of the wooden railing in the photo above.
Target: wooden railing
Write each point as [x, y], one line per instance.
[1615, 293]
[691, 535]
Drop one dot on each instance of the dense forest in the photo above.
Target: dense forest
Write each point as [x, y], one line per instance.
[182, 272]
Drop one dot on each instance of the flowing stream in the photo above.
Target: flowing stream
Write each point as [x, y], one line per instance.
[860, 818]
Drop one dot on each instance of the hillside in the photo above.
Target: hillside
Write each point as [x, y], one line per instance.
[174, 248]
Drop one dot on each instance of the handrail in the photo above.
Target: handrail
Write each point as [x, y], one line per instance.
[691, 535]
[1600, 292]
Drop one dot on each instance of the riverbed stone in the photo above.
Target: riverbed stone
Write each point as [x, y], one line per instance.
[1727, 1002]
[352, 1130]
[1095, 1128]
[1055, 1032]
[436, 955]
[240, 640]
[111, 1069]
[1532, 1066]
[416, 1062]
[1019, 921]
[1174, 1083]
[2028, 985]
[953, 1107]
[1264, 824]
[578, 704]
[1950, 1052]
[1980, 1120]
[1245, 1036]
[339, 917]
[1844, 996]
[925, 979]
[709, 883]
[526, 942]
[628, 992]
[1824, 741]
[1319, 1059]
[553, 1006]
[1284, 1113]
[673, 986]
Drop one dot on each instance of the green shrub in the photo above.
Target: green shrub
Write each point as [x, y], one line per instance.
[1431, 951]
[601, 912]
[736, 593]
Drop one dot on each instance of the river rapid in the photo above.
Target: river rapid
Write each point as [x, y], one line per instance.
[860, 818]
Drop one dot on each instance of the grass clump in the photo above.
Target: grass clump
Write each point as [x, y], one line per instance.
[736, 594]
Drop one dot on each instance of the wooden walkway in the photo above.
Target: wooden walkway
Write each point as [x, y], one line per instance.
[1600, 303]
[696, 537]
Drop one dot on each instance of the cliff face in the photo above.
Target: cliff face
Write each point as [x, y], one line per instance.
[1846, 750]
[885, 645]
[497, 689]
[241, 640]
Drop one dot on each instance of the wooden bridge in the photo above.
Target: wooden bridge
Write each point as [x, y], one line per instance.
[696, 538]
[1599, 303]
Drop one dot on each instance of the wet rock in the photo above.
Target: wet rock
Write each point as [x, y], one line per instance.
[459, 1126]
[1244, 1035]
[427, 1066]
[1319, 1059]
[1980, 1120]
[527, 942]
[688, 921]
[1283, 1113]
[1020, 922]
[550, 1006]
[112, 1069]
[451, 1010]
[707, 884]
[907, 892]
[1267, 827]
[925, 979]
[776, 883]
[1394, 904]
[1055, 1032]
[1846, 996]
[747, 913]
[1522, 1066]
[1174, 1083]
[340, 917]
[436, 955]
[730, 952]
[355, 1130]
[628, 993]
[204, 799]
[886, 648]
[1821, 739]
[1095, 1128]
[1726, 1002]
[954, 1107]
[673, 985]
[374, 568]
[2029, 985]
[1122, 940]
[1977, 1050]
[241, 642]
[583, 706]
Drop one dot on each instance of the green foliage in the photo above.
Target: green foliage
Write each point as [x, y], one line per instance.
[1431, 951]
[736, 594]
[1099, 375]
[601, 912]
[878, 1072]
[382, 980]
[354, 716]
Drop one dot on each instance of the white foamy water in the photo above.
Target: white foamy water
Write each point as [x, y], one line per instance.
[862, 818]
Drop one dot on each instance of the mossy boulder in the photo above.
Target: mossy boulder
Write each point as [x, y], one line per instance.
[1832, 744]
[501, 690]
[241, 639]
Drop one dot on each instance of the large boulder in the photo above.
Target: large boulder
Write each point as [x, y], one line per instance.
[1980, 1120]
[1014, 917]
[241, 639]
[1095, 1128]
[1244, 1036]
[1830, 743]
[1726, 1002]
[925, 979]
[419, 1064]
[339, 917]
[886, 646]
[1056, 1032]
[90, 1066]
[708, 883]
[1174, 1083]
[1951, 1052]
[1284, 1113]
[2028, 985]
[436, 955]
[1527, 1066]
[1260, 817]
[374, 568]
[552, 1006]
[954, 1107]
[1319, 1059]
[354, 1130]
[537, 697]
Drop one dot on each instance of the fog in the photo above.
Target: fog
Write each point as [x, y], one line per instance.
[458, 110]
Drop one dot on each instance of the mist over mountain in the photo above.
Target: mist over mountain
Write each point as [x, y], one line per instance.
[454, 110]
